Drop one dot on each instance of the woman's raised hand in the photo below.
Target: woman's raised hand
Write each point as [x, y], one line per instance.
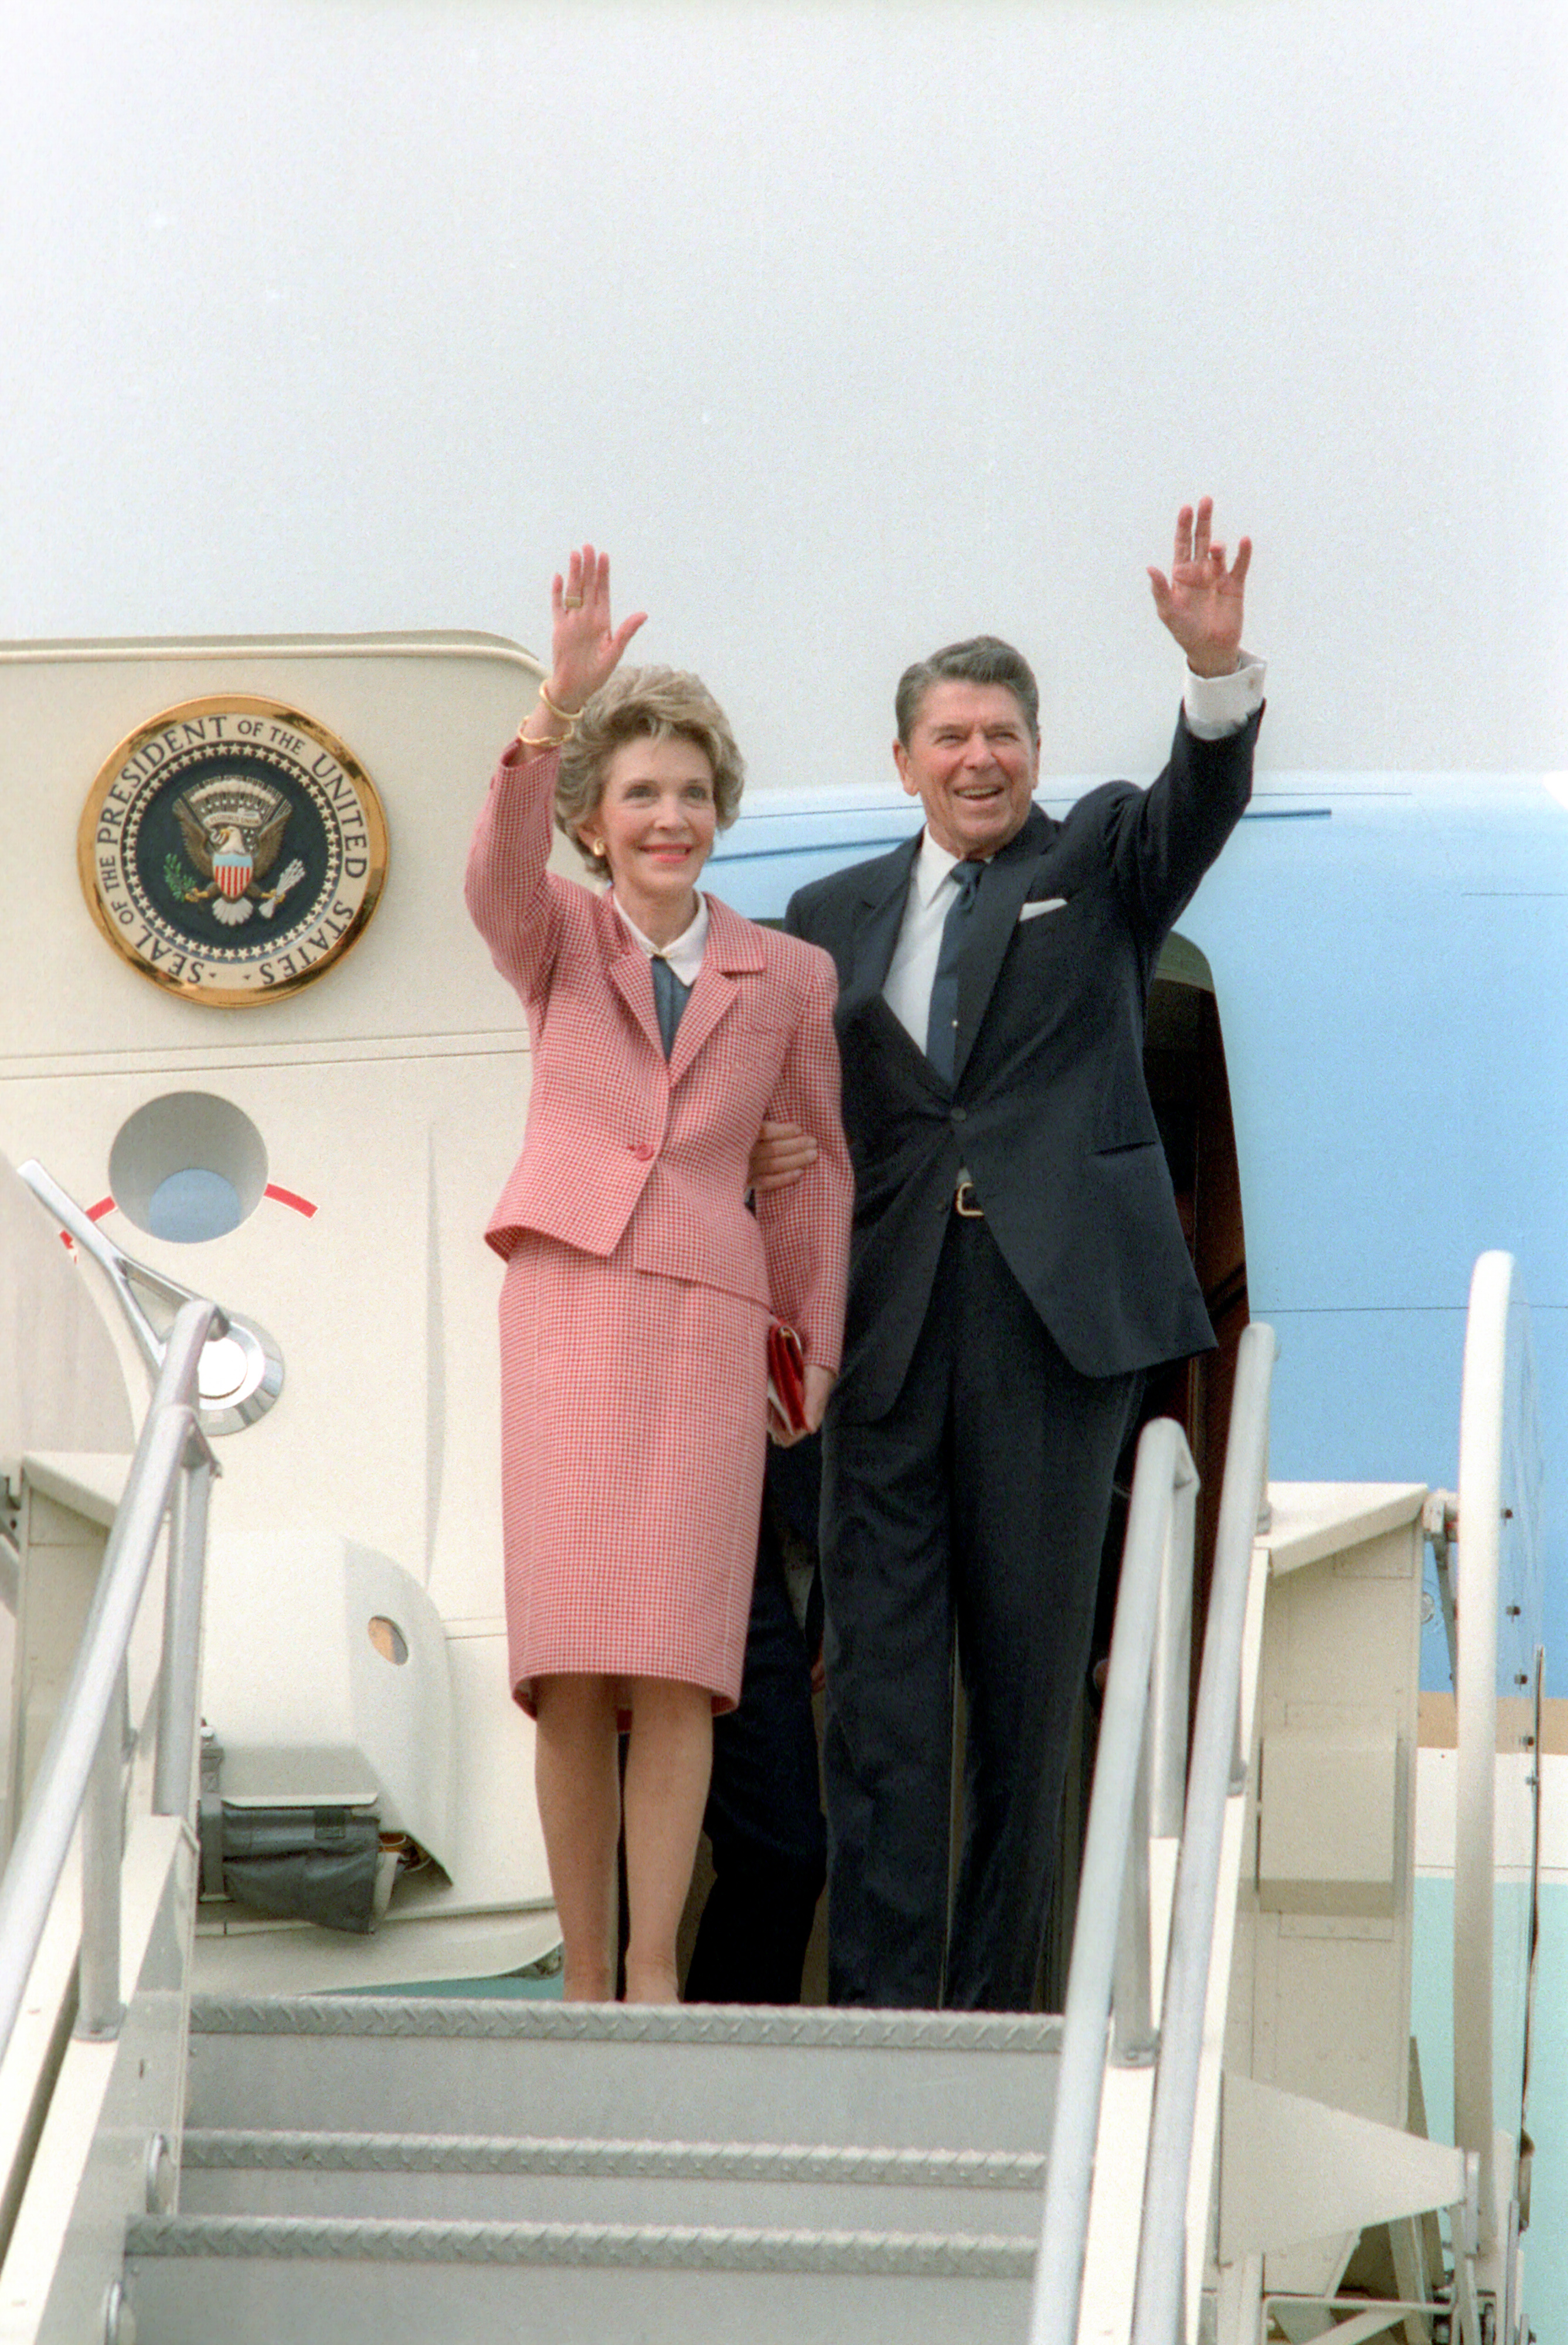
[585, 645]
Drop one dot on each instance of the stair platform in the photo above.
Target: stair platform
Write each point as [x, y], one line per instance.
[396, 2167]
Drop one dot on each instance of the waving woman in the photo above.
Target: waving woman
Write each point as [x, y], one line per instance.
[639, 1287]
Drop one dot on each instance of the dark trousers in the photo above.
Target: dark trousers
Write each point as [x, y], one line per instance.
[974, 1511]
[763, 1815]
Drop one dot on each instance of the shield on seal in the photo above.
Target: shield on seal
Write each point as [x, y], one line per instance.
[232, 868]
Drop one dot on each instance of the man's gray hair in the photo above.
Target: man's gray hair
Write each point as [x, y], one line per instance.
[982, 659]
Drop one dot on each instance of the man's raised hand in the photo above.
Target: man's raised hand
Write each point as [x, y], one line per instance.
[1201, 600]
[780, 1154]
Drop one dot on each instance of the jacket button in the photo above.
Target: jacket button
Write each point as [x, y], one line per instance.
[958, 1115]
[642, 1148]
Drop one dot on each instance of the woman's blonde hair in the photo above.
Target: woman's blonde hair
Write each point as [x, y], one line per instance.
[658, 703]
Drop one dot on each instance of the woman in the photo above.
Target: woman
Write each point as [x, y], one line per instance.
[636, 1308]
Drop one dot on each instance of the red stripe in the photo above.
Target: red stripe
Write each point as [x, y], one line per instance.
[288, 1197]
[105, 1205]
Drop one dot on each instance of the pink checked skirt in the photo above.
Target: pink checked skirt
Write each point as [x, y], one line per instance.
[634, 1434]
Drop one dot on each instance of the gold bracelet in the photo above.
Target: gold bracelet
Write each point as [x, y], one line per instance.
[567, 717]
[537, 749]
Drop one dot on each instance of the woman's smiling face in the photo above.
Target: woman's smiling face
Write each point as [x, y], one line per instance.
[656, 820]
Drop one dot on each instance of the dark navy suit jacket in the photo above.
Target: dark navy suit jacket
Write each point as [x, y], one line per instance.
[1049, 1107]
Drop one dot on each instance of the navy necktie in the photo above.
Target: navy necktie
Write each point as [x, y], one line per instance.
[941, 1027]
[669, 1001]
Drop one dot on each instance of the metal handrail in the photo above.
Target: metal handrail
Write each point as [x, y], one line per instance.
[1158, 1550]
[1215, 1775]
[1495, 1290]
[80, 1772]
[234, 1404]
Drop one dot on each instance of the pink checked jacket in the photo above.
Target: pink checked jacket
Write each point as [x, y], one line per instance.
[623, 1146]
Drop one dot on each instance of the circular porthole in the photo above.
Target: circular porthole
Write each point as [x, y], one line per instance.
[187, 1167]
[388, 1639]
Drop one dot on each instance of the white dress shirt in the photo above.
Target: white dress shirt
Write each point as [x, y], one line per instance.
[1214, 706]
[685, 955]
[912, 972]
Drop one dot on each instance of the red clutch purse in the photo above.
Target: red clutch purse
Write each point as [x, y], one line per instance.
[787, 1375]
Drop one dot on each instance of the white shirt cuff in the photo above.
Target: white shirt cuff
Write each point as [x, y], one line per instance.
[1218, 705]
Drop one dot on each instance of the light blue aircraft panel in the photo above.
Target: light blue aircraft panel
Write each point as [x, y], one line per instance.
[1388, 954]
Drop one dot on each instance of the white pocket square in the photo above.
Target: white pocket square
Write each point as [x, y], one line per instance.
[1046, 904]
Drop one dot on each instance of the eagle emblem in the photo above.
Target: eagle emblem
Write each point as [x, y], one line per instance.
[218, 810]
[233, 829]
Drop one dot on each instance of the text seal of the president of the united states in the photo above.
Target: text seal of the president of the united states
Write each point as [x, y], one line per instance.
[232, 849]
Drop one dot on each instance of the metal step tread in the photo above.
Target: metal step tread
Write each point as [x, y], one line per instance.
[615, 2022]
[666, 2247]
[421, 2064]
[215, 2148]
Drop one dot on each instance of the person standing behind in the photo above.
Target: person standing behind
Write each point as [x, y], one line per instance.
[764, 1818]
[634, 1312]
[1017, 1265]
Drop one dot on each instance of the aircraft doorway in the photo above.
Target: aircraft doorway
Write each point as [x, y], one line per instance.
[1184, 1064]
[1184, 1060]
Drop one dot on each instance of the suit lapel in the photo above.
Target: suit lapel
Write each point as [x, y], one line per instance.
[631, 973]
[710, 998]
[733, 948]
[877, 920]
[996, 915]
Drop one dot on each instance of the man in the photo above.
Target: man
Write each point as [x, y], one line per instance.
[1018, 1266]
[764, 1817]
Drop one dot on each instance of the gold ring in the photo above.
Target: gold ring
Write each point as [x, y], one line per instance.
[572, 602]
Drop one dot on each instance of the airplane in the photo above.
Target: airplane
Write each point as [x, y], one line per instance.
[303, 1116]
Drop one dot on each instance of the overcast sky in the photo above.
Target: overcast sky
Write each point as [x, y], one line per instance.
[847, 327]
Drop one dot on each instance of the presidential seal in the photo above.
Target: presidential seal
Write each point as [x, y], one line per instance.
[232, 849]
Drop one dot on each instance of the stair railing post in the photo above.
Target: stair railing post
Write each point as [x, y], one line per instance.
[1170, 1676]
[1163, 1465]
[174, 1778]
[99, 2008]
[1159, 2310]
[84, 1758]
[1483, 1451]
[1161, 1787]
[1134, 2041]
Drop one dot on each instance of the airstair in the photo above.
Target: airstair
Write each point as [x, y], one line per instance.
[539, 2170]
[1221, 2138]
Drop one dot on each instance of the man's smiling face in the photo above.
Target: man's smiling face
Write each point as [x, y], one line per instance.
[972, 763]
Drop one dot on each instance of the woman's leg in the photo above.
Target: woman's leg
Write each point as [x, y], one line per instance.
[577, 1776]
[668, 1761]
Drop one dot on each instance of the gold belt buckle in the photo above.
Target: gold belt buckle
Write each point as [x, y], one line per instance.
[966, 1205]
